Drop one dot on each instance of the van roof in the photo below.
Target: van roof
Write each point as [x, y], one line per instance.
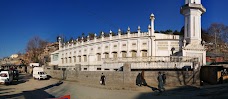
[4, 71]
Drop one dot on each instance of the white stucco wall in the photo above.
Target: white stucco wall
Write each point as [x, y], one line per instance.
[137, 42]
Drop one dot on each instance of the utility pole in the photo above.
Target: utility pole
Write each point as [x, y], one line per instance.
[216, 51]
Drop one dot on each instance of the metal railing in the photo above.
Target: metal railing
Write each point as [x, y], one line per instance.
[151, 59]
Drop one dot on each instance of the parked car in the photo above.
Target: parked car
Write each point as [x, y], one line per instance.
[6, 77]
[38, 73]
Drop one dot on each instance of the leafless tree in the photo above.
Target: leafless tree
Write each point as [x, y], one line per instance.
[220, 33]
[34, 48]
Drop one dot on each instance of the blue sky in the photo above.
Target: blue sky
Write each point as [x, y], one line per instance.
[21, 20]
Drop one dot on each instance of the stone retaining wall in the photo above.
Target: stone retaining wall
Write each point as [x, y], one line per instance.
[124, 78]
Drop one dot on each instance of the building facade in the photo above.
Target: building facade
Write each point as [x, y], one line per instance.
[107, 53]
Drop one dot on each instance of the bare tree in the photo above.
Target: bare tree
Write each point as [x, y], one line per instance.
[34, 48]
[220, 33]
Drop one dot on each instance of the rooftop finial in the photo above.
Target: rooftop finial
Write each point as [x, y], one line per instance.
[59, 38]
[119, 31]
[128, 29]
[110, 31]
[139, 28]
[88, 38]
[149, 27]
[152, 16]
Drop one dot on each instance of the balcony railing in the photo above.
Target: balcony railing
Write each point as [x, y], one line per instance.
[151, 59]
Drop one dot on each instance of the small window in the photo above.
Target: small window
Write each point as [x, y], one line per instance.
[85, 50]
[115, 46]
[133, 43]
[124, 44]
[106, 46]
[99, 48]
[98, 68]
[106, 69]
[91, 49]
[3, 75]
[116, 69]
[144, 43]
[79, 50]
[85, 68]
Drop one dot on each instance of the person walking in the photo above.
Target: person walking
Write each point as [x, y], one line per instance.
[160, 82]
[139, 80]
[164, 78]
[102, 80]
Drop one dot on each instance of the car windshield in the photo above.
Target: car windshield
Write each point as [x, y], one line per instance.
[3, 75]
[41, 73]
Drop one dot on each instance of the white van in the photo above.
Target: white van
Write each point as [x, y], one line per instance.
[6, 77]
[38, 73]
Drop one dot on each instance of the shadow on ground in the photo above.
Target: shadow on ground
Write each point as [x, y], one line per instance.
[187, 92]
[34, 94]
[5, 90]
[22, 79]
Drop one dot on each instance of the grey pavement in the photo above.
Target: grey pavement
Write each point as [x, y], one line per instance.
[28, 88]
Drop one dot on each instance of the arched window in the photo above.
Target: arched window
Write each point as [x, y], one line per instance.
[74, 59]
[133, 53]
[85, 58]
[79, 59]
[144, 53]
[114, 55]
[124, 54]
[106, 55]
[98, 57]
[62, 60]
[70, 59]
[66, 59]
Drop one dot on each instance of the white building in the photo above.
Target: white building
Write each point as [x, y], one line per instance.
[14, 56]
[109, 53]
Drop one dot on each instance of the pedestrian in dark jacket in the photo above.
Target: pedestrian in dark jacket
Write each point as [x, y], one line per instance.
[139, 80]
[160, 82]
[102, 79]
[164, 78]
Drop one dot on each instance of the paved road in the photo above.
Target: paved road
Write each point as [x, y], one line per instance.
[28, 88]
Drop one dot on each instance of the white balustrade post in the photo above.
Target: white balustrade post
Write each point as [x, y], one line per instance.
[139, 31]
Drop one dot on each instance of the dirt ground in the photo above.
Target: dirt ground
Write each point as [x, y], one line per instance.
[28, 88]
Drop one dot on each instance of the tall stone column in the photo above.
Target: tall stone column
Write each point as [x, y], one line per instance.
[192, 10]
